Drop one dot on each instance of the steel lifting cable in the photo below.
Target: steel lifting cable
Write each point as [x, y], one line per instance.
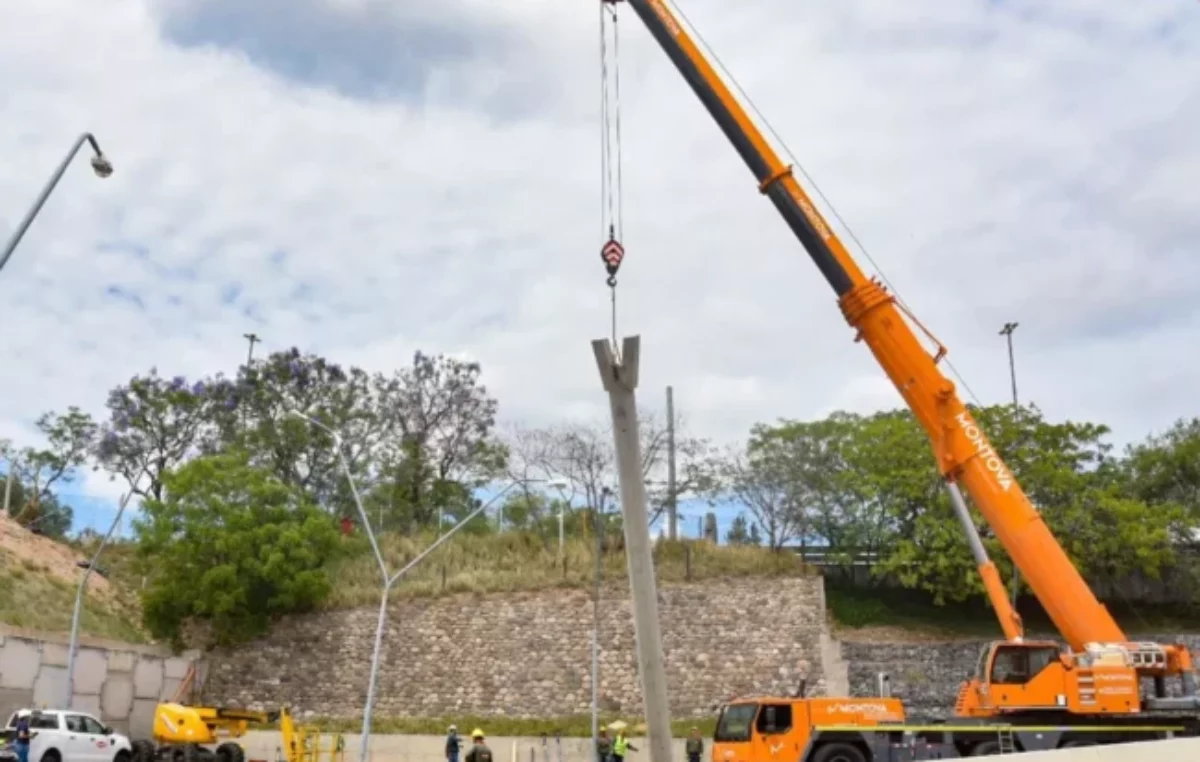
[612, 253]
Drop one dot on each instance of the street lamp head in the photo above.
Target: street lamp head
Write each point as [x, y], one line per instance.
[101, 165]
[559, 484]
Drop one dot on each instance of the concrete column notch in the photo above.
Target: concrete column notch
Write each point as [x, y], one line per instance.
[620, 378]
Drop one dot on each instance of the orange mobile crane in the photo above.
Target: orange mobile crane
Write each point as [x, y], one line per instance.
[1032, 688]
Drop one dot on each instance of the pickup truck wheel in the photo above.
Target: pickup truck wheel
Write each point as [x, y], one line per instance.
[838, 752]
[52, 756]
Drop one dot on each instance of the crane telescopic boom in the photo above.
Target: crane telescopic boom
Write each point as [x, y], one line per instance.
[964, 455]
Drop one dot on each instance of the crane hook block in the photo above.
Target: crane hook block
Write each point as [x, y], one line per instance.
[612, 253]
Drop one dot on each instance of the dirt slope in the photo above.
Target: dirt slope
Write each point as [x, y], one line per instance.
[38, 582]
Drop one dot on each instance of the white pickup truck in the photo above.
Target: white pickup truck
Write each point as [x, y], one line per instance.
[61, 735]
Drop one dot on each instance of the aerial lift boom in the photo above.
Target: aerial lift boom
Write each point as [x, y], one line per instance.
[962, 450]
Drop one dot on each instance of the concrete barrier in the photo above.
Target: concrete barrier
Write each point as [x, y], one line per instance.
[118, 682]
[398, 748]
[263, 745]
[1174, 750]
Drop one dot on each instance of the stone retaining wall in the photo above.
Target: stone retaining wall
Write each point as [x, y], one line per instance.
[118, 682]
[529, 654]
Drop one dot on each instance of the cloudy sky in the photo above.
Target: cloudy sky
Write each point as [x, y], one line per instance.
[363, 178]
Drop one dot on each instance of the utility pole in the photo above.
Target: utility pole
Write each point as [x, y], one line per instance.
[672, 516]
[12, 466]
[1007, 332]
[620, 380]
[253, 339]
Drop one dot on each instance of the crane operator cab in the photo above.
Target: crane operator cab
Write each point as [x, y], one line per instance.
[1014, 677]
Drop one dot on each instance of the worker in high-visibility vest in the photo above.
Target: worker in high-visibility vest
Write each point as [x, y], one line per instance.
[621, 746]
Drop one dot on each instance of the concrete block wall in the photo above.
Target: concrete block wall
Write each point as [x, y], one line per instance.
[120, 683]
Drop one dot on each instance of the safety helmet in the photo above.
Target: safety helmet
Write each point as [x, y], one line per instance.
[453, 728]
[476, 733]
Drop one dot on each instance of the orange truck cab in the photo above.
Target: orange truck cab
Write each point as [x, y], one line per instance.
[784, 729]
[792, 729]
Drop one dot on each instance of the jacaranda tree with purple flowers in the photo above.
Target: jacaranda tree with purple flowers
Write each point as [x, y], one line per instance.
[155, 424]
[252, 414]
[441, 419]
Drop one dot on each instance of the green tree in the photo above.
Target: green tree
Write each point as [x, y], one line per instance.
[755, 535]
[873, 480]
[440, 417]
[228, 547]
[50, 517]
[254, 413]
[759, 480]
[1067, 470]
[1165, 468]
[739, 531]
[528, 511]
[70, 438]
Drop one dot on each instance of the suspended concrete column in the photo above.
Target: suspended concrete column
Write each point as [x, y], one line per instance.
[620, 380]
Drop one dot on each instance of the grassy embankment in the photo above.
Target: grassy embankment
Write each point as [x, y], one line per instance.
[524, 562]
[32, 597]
[578, 726]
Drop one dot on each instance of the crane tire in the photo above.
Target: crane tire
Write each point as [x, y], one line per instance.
[143, 751]
[838, 752]
[985, 748]
[231, 752]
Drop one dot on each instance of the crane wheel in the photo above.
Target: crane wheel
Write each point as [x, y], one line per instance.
[839, 752]
[985, 749]
[231, 752]
[143, 751]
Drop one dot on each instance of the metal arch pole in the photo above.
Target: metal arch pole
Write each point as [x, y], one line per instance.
[380, 625]
[73, 643]
[388, 579]
[51, 184]
[620, 380]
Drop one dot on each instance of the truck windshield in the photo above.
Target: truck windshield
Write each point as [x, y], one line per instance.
[735, 722]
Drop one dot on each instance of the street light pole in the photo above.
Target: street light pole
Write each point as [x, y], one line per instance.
[100, 165]
[73, 644]
[386, 577]
[1007, 333]
[253, 339]
[605, 493]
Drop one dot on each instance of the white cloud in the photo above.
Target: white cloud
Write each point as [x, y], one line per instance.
[1030, 161]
